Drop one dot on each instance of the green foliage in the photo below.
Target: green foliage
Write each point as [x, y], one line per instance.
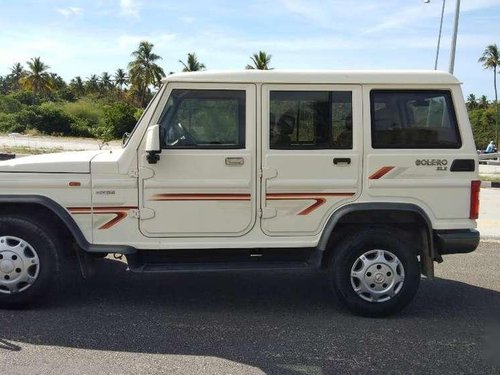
[8, 104]
[118, 119]
[26, 97]
[483, 126]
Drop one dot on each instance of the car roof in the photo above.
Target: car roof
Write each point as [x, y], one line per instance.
[318, 76]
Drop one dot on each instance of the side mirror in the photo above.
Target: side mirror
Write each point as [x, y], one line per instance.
[153, 144]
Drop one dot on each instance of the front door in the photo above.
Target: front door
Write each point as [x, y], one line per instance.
[205, 181]
[311, 155]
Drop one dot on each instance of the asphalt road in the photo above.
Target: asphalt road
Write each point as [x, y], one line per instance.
[254, 323]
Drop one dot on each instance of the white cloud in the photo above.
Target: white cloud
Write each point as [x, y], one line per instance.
[70, 11]
[130, 8]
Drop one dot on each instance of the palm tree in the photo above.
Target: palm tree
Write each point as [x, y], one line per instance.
[105, 81]
[471, 102]
[483, 102]
[92, 84]
[143, 70]
[16, 73]
[76, 85]
[120, 78]
[260, 61]
[37, 78]
[491, 60]
[192, 64]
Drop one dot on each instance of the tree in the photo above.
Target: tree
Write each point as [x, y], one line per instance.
[192, 64]
[471, 102]
[16, 73]
[92, 84]
[76, 85]
[491, 60]
[483, 102]
[143, 70]
[37, 79]
[121, 78]
[260, 61]
[105, 81]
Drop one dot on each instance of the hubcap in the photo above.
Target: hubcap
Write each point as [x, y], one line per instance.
[19, 265]
[377, 276]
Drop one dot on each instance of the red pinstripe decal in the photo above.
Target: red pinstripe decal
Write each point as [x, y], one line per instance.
[120, 213]
[380, 173]
[200, 197]
[319, 199]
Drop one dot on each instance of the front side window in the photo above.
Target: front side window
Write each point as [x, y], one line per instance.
[413, 119]
[310, 120]
[204, 119]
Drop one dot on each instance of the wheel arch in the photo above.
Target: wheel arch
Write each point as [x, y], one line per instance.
[57, 215]
[352, 217]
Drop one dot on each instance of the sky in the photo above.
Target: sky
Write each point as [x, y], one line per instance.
[84, 37]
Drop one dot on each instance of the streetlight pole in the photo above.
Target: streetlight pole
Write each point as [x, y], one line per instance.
[454, 38]
[439, 37]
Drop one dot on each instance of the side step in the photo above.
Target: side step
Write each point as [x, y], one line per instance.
[157, 261]
[216, 267]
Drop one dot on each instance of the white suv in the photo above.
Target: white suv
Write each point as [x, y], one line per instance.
[371, 176]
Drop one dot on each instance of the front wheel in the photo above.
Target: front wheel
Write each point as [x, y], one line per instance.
[29, 261]
[375, 272]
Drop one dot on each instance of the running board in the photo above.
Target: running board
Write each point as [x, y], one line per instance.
[216, 267]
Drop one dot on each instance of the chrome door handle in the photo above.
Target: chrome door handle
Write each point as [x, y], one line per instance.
[235, 162]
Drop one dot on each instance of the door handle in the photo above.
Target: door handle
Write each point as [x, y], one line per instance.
[341, 161]
[235, 162]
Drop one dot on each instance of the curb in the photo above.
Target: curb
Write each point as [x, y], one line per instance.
[490, 184]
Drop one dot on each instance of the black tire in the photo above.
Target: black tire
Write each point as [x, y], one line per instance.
[47, 248]
[346, 255]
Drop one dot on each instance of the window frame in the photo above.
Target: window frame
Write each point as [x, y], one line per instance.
[242, 119]
[448, 96]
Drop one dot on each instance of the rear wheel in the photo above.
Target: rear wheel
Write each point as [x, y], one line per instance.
[29, 261]
[375, 272]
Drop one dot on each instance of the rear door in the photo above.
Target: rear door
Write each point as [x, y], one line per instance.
[311, 155]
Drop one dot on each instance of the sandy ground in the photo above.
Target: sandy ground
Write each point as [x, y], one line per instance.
[62, 143]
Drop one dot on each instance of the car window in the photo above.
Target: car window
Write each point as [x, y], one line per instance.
[204, 119]
[413, 119]
[310, 120]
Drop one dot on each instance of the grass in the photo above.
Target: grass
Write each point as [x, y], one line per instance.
[489, 178]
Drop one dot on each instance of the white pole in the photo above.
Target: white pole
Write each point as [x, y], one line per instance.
[439, 37]
[454, 38]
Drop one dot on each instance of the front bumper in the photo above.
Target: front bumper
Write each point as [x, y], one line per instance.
[456, 241]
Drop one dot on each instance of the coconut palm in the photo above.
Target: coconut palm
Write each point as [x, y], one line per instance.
[143, 70]
[483, 102]
[105, 81]
[16, 73]
[471, 102]
[92, 84]
[260, 61]
[76, 85]
[192, 64]
[120, 78]
[37, 79]
[491, 60]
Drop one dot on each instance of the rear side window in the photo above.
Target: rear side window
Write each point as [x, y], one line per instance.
[204, 119]
[302, 120]
[413, 119]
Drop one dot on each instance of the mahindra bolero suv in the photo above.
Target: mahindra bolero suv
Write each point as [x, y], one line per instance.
[369, 176]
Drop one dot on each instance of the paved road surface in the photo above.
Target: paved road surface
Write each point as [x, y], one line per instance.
[254, 323]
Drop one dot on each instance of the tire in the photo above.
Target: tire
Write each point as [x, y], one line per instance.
[374, 272]
[30, 264]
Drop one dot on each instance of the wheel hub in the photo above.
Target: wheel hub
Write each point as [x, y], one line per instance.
[6, 266]
[19, 265]
[377, 275]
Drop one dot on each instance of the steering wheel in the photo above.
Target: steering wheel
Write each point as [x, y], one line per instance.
[179, 136]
